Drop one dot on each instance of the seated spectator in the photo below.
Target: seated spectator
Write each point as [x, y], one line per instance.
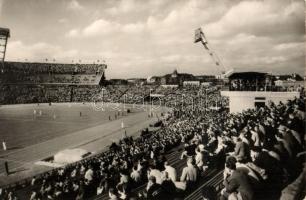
[35, 196]
[209, 193]
[242, 152]
[112, 194]
[236, 183]
[200, 159]
[135, 175]
[168, 186]
[190, 174]
[89, 174]
[170, 171]
[156, 173]
[154, 190]
[189, 150]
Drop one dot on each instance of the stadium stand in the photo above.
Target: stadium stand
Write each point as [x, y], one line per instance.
[44, 82]
[261, 146]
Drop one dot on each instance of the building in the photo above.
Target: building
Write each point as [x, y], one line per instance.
[176, 78]
[136, 81]
[248, 90]
[191, 83]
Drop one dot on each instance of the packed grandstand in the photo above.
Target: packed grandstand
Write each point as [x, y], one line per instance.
[195, 153]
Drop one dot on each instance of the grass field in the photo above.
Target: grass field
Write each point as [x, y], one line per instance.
[19, 127]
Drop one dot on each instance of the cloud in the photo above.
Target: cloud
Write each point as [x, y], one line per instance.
[74, 5]
[289, 46]
[63, 20]
[72, 33]
[17, 50]
[124, 6]
[104, 27]
[156, 36]
[259, 18]
[99, 27]
[133, 28]
[1, 4]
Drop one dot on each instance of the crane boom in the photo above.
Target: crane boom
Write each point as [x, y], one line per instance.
[200, 37]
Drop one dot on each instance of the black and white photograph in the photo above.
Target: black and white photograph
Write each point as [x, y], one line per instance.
[152, 100]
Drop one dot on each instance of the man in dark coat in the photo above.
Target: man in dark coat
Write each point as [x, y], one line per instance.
[154, 190]
[237, 185]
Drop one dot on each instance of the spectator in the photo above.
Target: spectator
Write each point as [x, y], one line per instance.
[190, 174]
[154, 190]
[112, 194]
[170, 171]
[236, 183]
[89, 174]
[135, 175]
[155, 173]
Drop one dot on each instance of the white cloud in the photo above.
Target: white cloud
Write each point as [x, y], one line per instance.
[74, 5]
[258, 18]
[133, 28]
[100, 27]
[124, 6]
[73, 33]
[17, 50]
[290, 46]
[104, 27]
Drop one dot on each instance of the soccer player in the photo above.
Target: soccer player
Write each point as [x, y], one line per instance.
[4, 146]
[34, 114]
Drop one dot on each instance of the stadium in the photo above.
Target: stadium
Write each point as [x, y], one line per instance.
[67, 131]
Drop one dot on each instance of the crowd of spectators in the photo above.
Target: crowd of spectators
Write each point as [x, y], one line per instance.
[253, 85]
[52, 68]
[258, 148]
[50, 73]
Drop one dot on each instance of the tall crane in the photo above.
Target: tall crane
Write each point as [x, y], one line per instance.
[200, 37]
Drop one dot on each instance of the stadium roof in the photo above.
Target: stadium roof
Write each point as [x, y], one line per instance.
[4, 32]
[247, 75]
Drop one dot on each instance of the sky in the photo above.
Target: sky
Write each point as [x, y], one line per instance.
[141, 38]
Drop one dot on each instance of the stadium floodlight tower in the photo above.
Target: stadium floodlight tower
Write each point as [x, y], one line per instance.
[4, 35]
